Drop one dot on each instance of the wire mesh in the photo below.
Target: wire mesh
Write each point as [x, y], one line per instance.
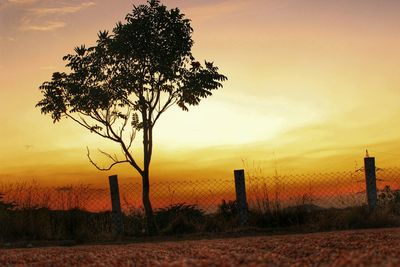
[320, 190]
[206, 194]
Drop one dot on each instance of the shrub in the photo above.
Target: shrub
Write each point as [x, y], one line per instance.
[134, 222]
[228, 210]
[179, 218]
[388, 196]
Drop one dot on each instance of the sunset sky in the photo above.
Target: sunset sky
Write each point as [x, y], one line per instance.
[312, 84]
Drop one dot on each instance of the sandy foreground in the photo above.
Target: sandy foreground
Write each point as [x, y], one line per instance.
[349, 248]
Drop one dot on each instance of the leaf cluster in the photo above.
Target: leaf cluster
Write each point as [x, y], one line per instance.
[143, 65]
[130, 77]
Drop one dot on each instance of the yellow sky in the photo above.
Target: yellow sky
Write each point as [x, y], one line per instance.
[312, 84]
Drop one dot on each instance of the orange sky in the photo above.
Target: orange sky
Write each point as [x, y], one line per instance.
[312, 84]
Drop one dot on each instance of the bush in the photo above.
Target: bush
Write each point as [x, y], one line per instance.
[179, 218]
[135, 223]
[388, 196]
[45, 224]
[213, 224]
[228, 210]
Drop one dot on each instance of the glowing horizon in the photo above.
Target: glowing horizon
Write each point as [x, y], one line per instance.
[311, 86]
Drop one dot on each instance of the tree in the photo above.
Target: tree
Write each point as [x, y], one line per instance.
[123, 84]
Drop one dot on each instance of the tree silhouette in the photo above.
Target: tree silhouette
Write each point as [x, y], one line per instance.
[123, 84]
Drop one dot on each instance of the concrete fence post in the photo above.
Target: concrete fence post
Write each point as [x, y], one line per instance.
[118, 224]
[241, 200]
[370, 180]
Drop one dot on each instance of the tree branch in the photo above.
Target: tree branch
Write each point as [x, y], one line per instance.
[108, 155]
[167, 105]
[125, 149]
[112, 136]
[90, 127]
[113, 158]
[131, 138]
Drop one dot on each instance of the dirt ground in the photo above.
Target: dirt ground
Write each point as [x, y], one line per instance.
[380, 247]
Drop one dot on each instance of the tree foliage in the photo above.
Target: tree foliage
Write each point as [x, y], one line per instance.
[122, 84]
[142, 68]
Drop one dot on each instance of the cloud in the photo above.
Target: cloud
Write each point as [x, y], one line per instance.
[216, 8]
[60, 10]
[27, 25]
[7, 39]
[22, 1]
[43, 17]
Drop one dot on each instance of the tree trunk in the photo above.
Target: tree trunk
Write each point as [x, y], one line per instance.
[147, 150]
[151, 227]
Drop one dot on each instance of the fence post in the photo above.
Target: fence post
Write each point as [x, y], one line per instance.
[370, 180]
[116, 205]
[241, 200]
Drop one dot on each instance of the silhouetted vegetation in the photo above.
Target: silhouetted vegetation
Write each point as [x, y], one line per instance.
[179, 219]
[18, 223]
[23, 218]
[123, 84]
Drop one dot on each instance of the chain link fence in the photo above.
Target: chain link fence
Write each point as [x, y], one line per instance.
[323, 190]
[84, 212]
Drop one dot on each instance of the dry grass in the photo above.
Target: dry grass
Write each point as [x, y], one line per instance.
[30, 212]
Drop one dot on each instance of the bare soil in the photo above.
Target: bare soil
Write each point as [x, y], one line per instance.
[379, 247]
